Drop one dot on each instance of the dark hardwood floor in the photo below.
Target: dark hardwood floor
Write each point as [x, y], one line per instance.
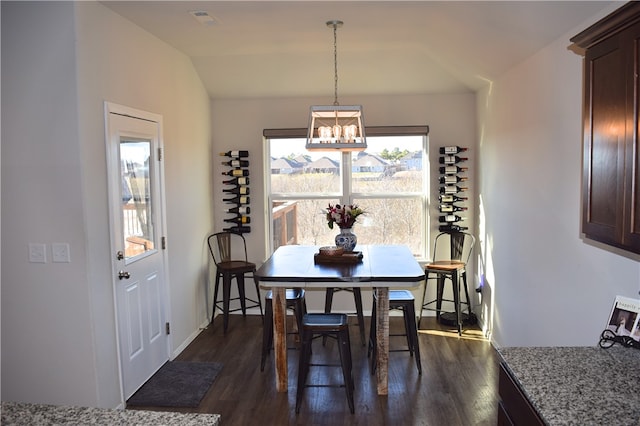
[458, 385]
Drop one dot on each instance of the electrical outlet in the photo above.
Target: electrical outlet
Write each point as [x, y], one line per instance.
[37, 253]
[60, 253]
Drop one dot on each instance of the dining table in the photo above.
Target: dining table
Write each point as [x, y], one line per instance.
[379, 267]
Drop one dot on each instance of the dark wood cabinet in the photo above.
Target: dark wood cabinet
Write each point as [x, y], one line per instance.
[610, 180]
[514, 408]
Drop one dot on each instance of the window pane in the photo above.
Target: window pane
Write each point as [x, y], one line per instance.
[136, 197]
[297, 171]
[389, 165]
[301, 222]
[305, 183]
[391, 221]
[387, 181]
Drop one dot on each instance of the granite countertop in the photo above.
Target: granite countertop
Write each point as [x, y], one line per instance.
[579, 385]
[39, 414]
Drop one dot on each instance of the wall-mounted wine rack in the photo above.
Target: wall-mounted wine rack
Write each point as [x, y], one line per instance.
[236, 191]
[452, 189]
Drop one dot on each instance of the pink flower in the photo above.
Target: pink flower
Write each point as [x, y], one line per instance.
[343, 216]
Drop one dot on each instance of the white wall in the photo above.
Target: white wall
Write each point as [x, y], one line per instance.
[238, 124]
[60, 62]
[47, 349]
[122, 63]
[547, 286]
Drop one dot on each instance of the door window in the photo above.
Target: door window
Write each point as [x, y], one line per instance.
[138, 230]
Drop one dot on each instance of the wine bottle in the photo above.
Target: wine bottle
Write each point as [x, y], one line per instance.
[450, 218]
[452, 170]
[238, 229]
[450, 179]
[237, 172]
[450, 208]
[235, 154]
[450, 198]
[240, 190]
[452, 189]
[239, 210]
[239, 220]
[236, 163]
[452, 228]
[237, 181]
[452, 159]
[451, 150]
[239, 199]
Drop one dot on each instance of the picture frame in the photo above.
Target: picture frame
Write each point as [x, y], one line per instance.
[624, 319]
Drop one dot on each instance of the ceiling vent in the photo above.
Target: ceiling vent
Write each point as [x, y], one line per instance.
[204, 18]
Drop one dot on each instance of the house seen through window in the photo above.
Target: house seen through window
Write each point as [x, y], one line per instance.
[389, 181]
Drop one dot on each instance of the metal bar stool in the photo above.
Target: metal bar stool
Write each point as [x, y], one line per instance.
[229, 252]
[334, 325]
[404, 301]
[357, 298]
[295, 301]
[451, 254]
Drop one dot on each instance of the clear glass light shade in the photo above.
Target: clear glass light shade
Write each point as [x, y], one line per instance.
[336, 127]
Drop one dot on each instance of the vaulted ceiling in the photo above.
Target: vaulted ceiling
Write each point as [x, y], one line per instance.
[255, 49]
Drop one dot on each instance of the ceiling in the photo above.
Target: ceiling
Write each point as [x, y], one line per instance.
[257, 49]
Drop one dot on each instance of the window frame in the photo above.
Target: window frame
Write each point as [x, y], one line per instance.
[346, 195]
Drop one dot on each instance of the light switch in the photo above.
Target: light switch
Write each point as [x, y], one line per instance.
[60, 253]
[37, 253]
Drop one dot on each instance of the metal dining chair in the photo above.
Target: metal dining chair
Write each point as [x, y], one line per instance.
[336, 326]
[229, 252]
[451, 252]
[404, 301]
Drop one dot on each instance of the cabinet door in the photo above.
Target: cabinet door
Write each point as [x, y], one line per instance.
[514, 407]
[604, 142]
[631, 223]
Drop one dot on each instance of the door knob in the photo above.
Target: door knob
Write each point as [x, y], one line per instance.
[120, 255]
[123, 275]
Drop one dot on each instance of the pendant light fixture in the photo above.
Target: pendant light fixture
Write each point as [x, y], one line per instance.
[336, 127]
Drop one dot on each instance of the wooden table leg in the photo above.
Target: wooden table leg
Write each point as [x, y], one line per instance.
[382, 338]
[280, 337]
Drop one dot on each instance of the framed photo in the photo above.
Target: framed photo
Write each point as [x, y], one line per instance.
[624, 317]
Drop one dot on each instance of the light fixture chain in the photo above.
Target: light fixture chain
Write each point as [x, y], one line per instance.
[335, 63]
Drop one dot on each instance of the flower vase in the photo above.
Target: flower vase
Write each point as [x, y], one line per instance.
[346, 239]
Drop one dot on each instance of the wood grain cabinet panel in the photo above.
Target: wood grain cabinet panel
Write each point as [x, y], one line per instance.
[610, 180]
[514, 407]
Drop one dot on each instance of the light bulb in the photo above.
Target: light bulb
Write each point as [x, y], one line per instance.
[350, 132]
[324, 133]
[337, 132]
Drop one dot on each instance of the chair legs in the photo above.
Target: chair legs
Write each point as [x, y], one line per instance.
[267, 332]
[466, 291]
[412, 333]
[256, 284]
[226, 297]
[357, 298]
[440, 282]
[404, 301]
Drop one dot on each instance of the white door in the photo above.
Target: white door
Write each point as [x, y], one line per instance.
[137, 227]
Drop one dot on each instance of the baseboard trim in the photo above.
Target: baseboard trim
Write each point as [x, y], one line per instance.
[190, 339]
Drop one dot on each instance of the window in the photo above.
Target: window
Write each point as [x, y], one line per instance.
[389, 181]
